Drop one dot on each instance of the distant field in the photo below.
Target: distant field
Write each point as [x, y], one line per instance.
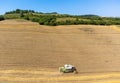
[12, 16]
[33, 53]
[64, 19]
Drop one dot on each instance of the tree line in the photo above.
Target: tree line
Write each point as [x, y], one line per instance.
[52, 18]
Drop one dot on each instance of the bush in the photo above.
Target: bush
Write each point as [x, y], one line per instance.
[21, 14]
[34, 19]
[26, 17]
[47, 20]
[2, 18]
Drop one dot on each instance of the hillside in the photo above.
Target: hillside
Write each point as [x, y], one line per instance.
[54, 18]
[29, 50]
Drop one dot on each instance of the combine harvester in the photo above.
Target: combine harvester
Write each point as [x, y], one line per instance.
[68, 69]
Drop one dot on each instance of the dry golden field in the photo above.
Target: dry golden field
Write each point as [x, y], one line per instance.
[31, 53]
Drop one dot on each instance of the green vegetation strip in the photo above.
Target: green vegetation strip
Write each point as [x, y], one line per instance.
[54, 19]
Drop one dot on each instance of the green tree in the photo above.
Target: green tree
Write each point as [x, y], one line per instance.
[18, 10]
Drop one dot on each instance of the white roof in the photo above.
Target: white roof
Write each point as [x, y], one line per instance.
[68, 66]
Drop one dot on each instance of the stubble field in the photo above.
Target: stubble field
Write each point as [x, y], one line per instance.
[33, 53]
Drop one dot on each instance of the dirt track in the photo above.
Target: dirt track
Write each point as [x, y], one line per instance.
[29, 46]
